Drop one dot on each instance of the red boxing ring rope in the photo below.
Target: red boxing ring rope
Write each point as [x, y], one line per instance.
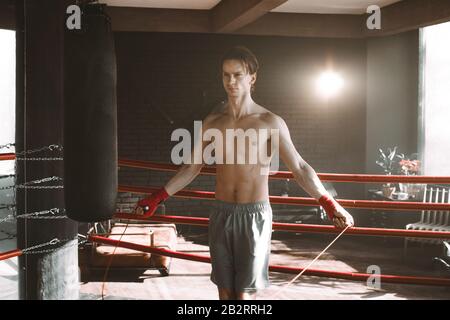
[358, 178]
[10, 254]
[293, 227]
[367, 204]
[7, 156]
[333, 177]
[283, 269]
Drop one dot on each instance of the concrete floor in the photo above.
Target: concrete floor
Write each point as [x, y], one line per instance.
[190, 280]
[8, 270]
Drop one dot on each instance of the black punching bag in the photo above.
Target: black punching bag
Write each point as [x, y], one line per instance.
[90, 118]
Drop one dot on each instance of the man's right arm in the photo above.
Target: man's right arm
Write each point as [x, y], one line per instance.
[303, 173]
[188, 172]
[184, 176]
[307, 178]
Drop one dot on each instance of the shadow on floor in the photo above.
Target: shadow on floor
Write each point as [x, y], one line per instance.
[118, 275]
[357, 253]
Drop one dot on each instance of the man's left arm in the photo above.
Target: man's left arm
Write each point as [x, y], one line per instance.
[307, 178]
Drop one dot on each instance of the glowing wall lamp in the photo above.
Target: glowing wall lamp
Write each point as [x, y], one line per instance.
[329, 84]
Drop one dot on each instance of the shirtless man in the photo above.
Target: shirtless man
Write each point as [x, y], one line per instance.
[240, 227]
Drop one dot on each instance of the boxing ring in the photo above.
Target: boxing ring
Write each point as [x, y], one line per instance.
[289, 227]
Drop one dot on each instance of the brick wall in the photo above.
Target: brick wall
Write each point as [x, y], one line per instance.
[164, 78]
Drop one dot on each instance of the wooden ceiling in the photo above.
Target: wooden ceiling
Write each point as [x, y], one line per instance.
[294, 18]
[261, 17]
[292, 6]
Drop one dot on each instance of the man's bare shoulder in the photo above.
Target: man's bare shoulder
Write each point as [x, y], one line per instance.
[220, 113]
[215, 114]
[274, 120]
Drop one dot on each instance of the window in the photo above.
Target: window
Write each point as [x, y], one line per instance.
[435, 99]
[7, 95]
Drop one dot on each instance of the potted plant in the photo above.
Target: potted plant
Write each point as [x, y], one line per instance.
[387, 162]
[409, 165]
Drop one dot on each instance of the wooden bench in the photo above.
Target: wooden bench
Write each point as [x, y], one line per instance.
[154, 235]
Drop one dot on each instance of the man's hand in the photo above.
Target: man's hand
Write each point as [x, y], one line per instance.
[342, 218]
[147, 206]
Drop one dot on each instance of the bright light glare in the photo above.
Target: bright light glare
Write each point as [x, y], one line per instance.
[7, 95]
[329, 84]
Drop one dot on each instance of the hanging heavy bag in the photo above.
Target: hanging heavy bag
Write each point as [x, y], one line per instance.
[90, 118]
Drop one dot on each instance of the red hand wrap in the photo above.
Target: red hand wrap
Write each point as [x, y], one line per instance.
[150, 203]
[329, 205]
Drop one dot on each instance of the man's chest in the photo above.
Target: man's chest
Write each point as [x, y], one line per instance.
[240, 142]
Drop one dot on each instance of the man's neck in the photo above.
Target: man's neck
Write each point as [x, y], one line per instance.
[240, 106]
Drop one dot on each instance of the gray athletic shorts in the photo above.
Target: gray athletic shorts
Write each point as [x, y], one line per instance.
[239, 244]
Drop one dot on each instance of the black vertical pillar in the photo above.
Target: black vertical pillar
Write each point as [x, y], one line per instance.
[39, 122]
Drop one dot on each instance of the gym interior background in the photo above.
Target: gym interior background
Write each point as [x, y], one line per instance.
[168, 75]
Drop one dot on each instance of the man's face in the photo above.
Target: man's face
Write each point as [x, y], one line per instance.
[236, 79]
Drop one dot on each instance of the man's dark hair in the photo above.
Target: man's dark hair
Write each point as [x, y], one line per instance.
[243, 55]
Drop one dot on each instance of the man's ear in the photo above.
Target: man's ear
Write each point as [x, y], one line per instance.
[253, 78]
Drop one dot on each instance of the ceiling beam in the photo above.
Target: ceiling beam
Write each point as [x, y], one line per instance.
[159, 20]
[306, 25]
[409, 15]
[230, 15]
[247, 18]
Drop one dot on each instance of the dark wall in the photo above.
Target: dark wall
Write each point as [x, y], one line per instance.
[392, 95]
[392, 104]
[164, 77]
[7, 14]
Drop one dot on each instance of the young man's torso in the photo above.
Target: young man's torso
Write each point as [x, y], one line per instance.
[239, 177]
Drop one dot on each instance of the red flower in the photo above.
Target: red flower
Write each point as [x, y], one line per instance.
[409, 166]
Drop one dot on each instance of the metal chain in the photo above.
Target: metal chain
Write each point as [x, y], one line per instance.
[54, 214]
[49, 217]
[48, 243]
[26, 185]
[79, 242]
[39, 214]
[40, 159]
[14, 191]
[51, 147]
[40, 187]
[31, 187]
[48, 179]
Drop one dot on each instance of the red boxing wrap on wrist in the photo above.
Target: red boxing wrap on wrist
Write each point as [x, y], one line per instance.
[150, 203]
[329, 205]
